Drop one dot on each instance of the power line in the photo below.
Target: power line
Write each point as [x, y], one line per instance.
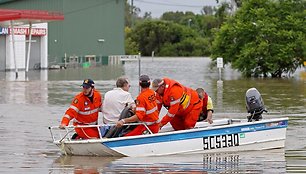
[89, 7]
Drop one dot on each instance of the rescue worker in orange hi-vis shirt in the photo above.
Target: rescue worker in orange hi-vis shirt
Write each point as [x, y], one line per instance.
[146, 110]
[183, 104]
[84, 110]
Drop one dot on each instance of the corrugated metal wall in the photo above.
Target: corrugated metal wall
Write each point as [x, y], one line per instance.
[91, 27]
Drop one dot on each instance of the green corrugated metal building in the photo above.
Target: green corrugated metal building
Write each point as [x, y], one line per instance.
[91, 27]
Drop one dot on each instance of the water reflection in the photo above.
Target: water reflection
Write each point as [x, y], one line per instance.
[272, 161]
[41, 75]
[97, 73]
[296, 161]
[29, 92]
[79, 164]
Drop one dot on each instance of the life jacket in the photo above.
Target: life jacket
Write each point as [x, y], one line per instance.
[82, 110]
[204, 107]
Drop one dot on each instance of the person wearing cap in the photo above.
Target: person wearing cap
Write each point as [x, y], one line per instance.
[84, 110]
[183, 103]
[207, 108]
[116, 100]
[146, 110]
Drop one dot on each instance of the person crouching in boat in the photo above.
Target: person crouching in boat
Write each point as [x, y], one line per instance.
[207, 109]
[146, 110]
[84, 110]
[183, 103]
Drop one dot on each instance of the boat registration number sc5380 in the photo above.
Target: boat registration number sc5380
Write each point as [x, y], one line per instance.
[220, 141]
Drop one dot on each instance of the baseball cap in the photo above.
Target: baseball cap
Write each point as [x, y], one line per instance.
[144, 78]
[88, 83]
[157, 83]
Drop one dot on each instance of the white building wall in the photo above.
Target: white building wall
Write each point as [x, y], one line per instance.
[20, 50]
[19, 53]
[44, 47]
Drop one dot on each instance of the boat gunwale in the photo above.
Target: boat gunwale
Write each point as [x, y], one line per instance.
[173, 133]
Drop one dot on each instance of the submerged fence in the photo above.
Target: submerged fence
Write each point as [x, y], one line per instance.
[92, 60]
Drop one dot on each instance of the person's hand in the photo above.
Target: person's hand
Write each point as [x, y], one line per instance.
[62, 126]
[160, 125]
[120, 123]
[209, 120]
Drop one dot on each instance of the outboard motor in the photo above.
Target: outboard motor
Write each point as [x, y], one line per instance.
[254, 104]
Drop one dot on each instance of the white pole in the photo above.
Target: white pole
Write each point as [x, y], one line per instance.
[13, 42]
[219, 65]
[29, 47]
[152, 55]
[65, 60]
[139, 68]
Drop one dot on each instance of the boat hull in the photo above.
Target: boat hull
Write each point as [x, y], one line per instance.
[241, 136]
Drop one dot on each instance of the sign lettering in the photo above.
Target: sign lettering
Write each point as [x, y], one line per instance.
[220, 141]
[24, 31]
[3, 31]
[219, 62]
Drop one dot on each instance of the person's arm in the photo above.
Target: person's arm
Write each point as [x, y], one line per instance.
[69, 114]
[159, 101]
[131, 102]
[209, 111]
[175, 96]
[131, 119]
[101, 106]
[209, 117]
[140, 113]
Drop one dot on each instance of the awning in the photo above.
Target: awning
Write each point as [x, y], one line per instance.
[23, 17]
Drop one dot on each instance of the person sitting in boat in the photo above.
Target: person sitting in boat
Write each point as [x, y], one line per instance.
[146, 110]
[183, 103]
[116, 100]
[84, 110]
[207, 108]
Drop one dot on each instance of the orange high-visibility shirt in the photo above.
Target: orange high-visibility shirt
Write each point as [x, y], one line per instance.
[82, 110]
[177, 99]
[146, 106]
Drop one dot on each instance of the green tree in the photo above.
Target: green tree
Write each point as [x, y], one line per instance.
[203, 24]
[264, 37]
[208, 10]
[222, 12]
[131, 47]
[175, 17]
[168, 39]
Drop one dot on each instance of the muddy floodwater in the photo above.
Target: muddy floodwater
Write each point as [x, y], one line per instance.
[28, 106]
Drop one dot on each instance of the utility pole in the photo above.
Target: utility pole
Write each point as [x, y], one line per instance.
[132, 13]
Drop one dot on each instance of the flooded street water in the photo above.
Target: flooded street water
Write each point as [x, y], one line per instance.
[28, 106]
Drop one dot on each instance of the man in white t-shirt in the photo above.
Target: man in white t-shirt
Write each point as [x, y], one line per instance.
[116, 100]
